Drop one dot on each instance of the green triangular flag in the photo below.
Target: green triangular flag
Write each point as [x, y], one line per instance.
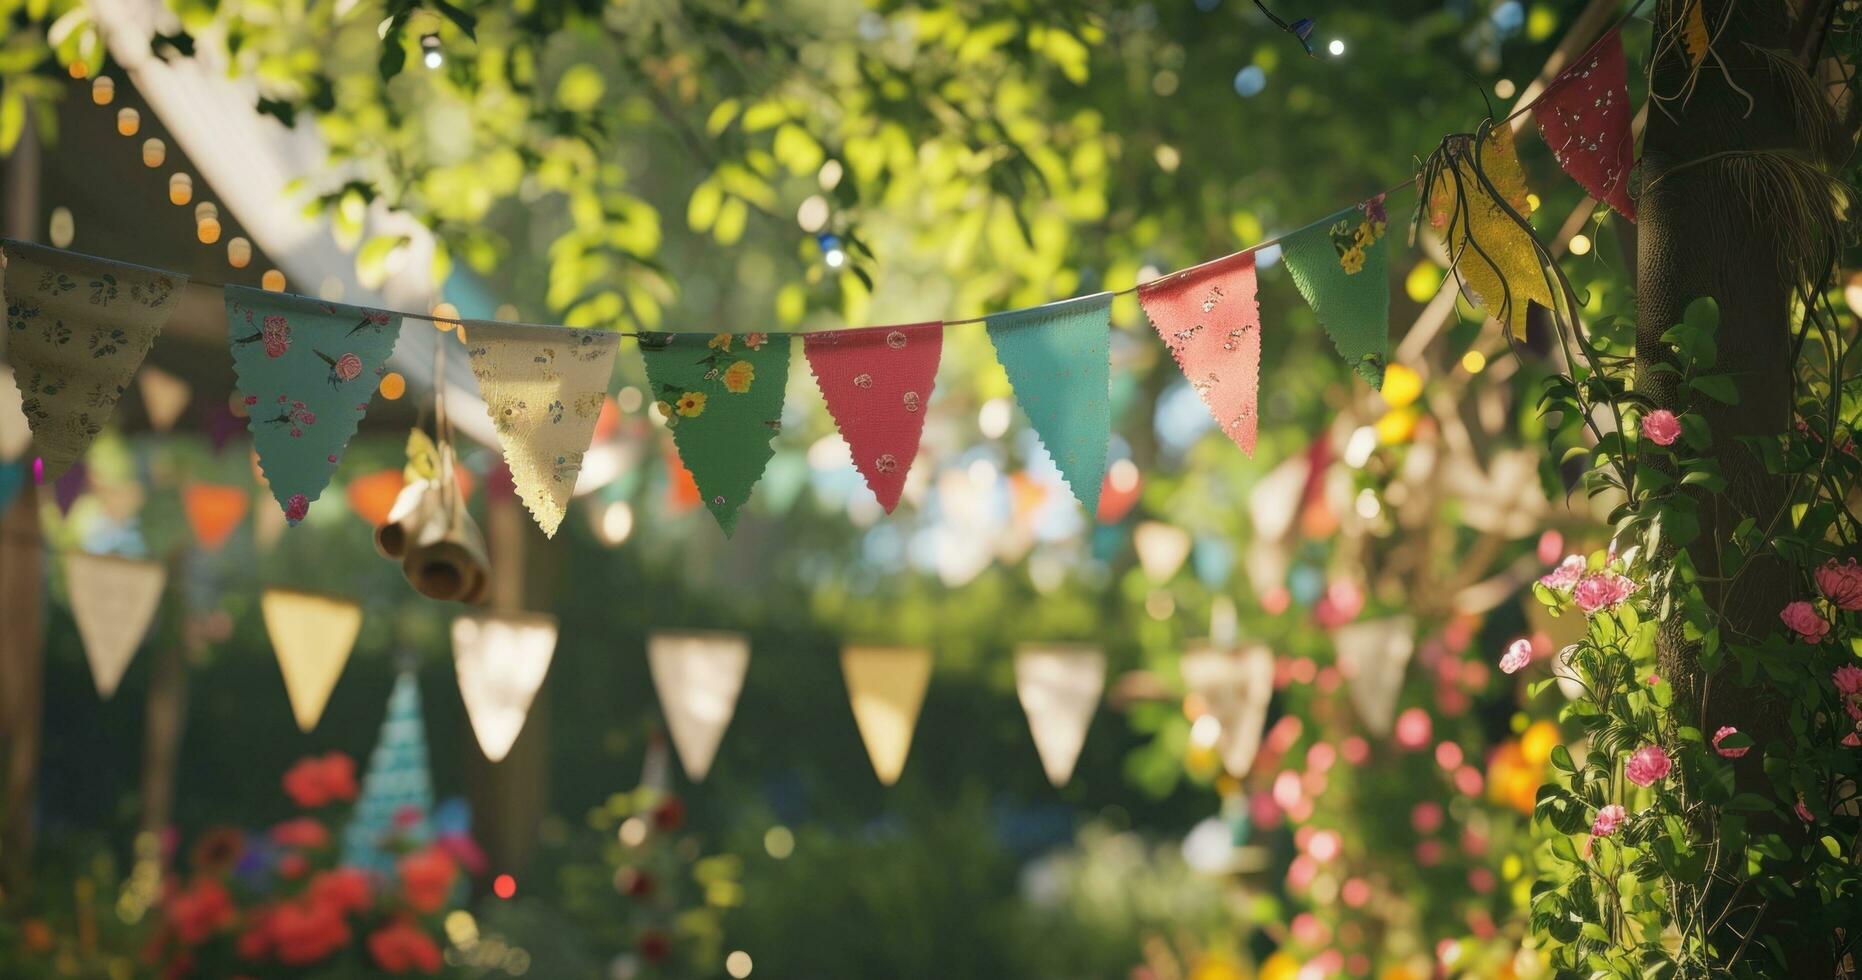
[1340, 265]
[722, 398]
[1059, 360]
[397, 791]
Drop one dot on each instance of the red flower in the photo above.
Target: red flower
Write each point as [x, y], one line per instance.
[316, 782]
[198, 911]
[298, 505]
[256, 942]
[276, 334]
[303, 833]
[305, 932]
[401, 947]
[345, 888]
[670, 815]
[291, 867]
[655, 946]
[427, 879]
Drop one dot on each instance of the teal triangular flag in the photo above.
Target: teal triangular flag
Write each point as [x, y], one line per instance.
[397, 791]
[1340, 265]
[12, 478]
[1059, 360]
[307, 370]
[721, 396]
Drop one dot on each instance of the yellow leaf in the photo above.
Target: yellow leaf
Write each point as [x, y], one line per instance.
[721, 116]
[764, 115]
[702, 210]
[731, 220]
[797, 150]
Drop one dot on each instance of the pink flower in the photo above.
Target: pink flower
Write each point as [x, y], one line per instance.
[1852, 740]
[1803, 812]
[1728, 753]
[1516, 657]
[1661, 427]
[1550, 544]
[1842, 584]
[1609, 819]
[296, 508]
[348, 367]
[1648, 765]
[1565, 575]
[1600, 591]
[1802, 617]
[276, 334]
[1848, 680]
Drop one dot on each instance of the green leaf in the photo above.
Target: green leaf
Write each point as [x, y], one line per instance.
[466, 22]
[1718, 387]
[1561, 759]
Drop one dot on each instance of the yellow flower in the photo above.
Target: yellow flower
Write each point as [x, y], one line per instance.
[720, 342]
[1352, 261]
[665, 409]
[692, 404]
[1364, 235]
[738, 376]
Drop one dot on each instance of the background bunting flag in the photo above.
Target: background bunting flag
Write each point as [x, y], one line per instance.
[1372, 656]
[1495, 258]
[77, 329]
[307, 370]
[113, 600]
[1585, 119]
[501, 660]
[886, 686]
[877, 383]
[1059, 361]
[1341, 266]
[1236, 686]
[397, 791]
[12, 479]
[214, 512]
[164, 397]
[722, 398]
[312, 634]
[1059, 688]
[1210, 320]
[543, 387]
[15, 434]
[698, 677]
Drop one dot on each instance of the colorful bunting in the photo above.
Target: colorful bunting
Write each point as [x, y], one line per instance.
[543, 387]
[1211, 322]
[1340, 265]
[501, 660]
[1235, 686]
[698, 677]
[77, 330]
[397, 790]
[214, 512]
[722, 398]
[164, 397]
[1494, 257]
[1059, 688]
[312, 634]
[877, 383]
[1585, 119]
[307, 370]
[886, 686]
[1372, 656]
[113, 600]
[1059, 361]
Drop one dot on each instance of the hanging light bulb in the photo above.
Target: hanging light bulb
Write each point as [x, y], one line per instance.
[272, 281]
[180, 189]
[128, 121]
[207, 230]
[238, 252]
[154, 151]
[103, 89]
[831, 251]
[430, 53]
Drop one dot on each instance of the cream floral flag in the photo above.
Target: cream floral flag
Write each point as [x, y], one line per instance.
[543, 387]
[77, 328]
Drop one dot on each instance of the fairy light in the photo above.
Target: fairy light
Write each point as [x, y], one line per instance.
[272, 281]
[831, 251]
[103, 90]
[1580, 244]
[1474, 362]
[393, 385]
[128, 121]
[180, 189]
[63, 227]
[430, 53]
[154, 152]
[1337, 47]
[239, 252]
[445, 317]
[207, 230]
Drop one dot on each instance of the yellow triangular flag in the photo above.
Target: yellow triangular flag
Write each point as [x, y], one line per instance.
[501, 660]
[887, 687]
[312, 634]
[1235, 685]
[113, 599]
[1059, 688]
[164, 396]
[1372, 656]
[698, 677]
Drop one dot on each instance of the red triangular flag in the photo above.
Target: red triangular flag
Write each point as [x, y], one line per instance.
[1584, 117]
[1209, 319]
[877, 382]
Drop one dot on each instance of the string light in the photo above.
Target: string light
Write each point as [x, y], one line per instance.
[154, 151]
[207, 230]
[206, 211]
[1337, 47]
[1580, 245]
[239, 252]
[393, 385]
[430, 53]
[180, 189]
[272, 281]
[445, 317]
[1474, 362]
[128, 121]
[831, 251]
[63, 227]
[103, 90]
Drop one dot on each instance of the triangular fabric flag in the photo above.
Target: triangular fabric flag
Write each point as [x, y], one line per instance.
[1585, 119]
[1493, 256]
[722, 398]
[1372, 656]
[501, 660]
[886, 686]
[214, 512]
[698, 677]
[1341, 266]
[77, 329]
[312, 634]
[1059, 361]
[15, 434]
[1059, 688]
[877, 383]
[307, 370]
[543, 387]
[1210, 320]
[1235, 686]
[397, 790]
[164, 397]
[113, 600]
[12, 479]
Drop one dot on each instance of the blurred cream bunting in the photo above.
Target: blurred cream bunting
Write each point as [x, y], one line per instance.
[1235, 685]
[698, 677]
[1059, 687]
[1372, 656]
[501, 660]
[164, 396]
[312, 634]
[886, 686]
[113, 600]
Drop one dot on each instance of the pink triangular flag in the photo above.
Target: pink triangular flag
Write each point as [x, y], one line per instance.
[1211, 322]
[877, 383]
[1584, 116]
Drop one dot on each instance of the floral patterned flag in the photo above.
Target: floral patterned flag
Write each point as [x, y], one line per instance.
[877, 382]
[307, 370]
[1211, 322]
[722, 398]
[1493, 256]
[1340, 265]
[1059, 361]
[77, 328]
[543, 387]
[1584, 117]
